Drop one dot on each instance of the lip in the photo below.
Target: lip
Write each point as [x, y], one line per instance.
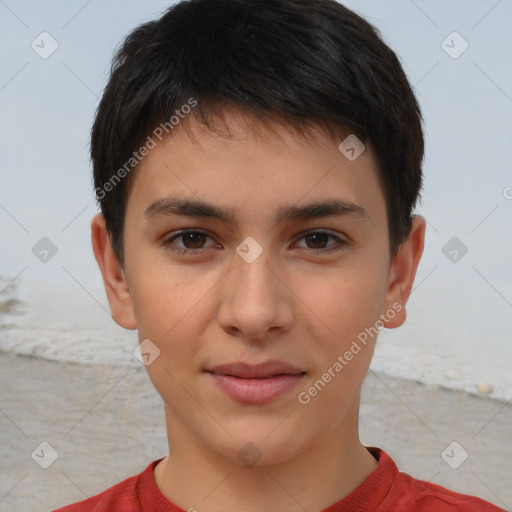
[256, 384]
[255, 371]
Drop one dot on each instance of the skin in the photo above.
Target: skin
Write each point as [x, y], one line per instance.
[214, 308]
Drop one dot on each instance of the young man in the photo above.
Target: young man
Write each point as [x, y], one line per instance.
[257, 163]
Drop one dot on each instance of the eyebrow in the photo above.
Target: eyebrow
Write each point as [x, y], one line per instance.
[198, 208]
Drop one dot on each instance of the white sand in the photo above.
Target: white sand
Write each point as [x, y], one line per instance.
[106, 423]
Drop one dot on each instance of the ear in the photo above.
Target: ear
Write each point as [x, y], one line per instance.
[114, 279]
[402, 273]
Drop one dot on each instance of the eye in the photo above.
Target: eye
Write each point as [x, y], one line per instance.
[319, 240]
[192, 241]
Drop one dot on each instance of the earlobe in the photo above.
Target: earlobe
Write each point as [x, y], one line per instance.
[114, 276]
[402, 273]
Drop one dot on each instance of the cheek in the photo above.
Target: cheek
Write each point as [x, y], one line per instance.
[169, 313]
[341, 358]
[343, 305]
[172, 310]
[164, 299]
[349, 305]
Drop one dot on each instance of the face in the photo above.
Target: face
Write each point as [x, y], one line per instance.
[256, 297]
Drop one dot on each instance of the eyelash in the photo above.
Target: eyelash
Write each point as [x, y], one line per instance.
[334, 248]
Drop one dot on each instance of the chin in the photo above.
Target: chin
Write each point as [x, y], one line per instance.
[262, 445]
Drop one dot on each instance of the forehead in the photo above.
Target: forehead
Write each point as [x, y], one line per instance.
[231, 123]
[236, 155]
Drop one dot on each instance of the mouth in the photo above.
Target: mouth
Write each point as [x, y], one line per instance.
[256, 384]
[266, 370]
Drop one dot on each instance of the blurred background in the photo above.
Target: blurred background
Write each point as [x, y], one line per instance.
[55, 60]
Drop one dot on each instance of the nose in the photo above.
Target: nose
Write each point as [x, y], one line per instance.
[256, 302]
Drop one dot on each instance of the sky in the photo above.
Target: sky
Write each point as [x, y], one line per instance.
[457, 55]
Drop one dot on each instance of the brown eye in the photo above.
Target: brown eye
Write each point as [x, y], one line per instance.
[193, 239]
[191, 242]
[316, 242]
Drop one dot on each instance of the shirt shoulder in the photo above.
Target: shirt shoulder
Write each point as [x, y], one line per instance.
[420, 496]
[121, 497]
[389, 490]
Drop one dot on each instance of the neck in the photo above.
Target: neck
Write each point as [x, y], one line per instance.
[193, 476]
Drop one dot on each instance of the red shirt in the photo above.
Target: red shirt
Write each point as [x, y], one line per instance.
[385, 490]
